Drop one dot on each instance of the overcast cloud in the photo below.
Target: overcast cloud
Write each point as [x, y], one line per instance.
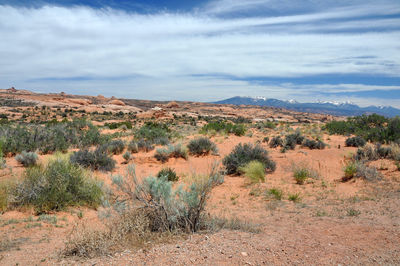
[217, 50]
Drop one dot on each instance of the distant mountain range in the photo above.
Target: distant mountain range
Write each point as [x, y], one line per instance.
[333, 108]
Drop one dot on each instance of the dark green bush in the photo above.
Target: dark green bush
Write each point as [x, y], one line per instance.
[133, 147]
[144, 145]
[245, 153]
[202, 146]
[152, 131]
[292, 140]
[314, 144]
[116, 146]
[275, 142]
[115, 125]
[355, 142]
[56, 186]
[169, 174]
[96, 160]
[265, 139]
[374, 128]
[228, 128]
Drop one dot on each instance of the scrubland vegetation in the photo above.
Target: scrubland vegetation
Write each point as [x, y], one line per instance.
[74, 165]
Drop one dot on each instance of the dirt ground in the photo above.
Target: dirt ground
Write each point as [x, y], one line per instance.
[352, 223]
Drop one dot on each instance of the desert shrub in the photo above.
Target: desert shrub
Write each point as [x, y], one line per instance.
[115, 125]
[374, 128]
[151, 131]
[265, 139]
[267, 124]
[245, 153]
[2, 160]
[27, 158]
[167, 208]
[56, 186]
[395, 151]
[127, 156]
[224, 127]
[355, 142]
[357, 169]
[52, 137]
[276, 142]
[301, 175]
[169, 173]
[133, 147]
[383, 151]
[201, 146]
[6, 189]
[397, 165]
[144, 145]
[116, 146]
[314, 144]
[96, 160]
[254, 171]
[172, 151]
[366, 153]
[292, 140]
[350, 171]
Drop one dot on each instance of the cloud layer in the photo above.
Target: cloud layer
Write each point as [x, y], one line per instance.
[218, 50]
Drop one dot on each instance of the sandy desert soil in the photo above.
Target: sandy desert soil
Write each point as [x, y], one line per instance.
[333, 223]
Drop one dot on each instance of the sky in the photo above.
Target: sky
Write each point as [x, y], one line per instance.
[307, 50]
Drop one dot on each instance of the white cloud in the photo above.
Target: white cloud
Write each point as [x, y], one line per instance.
[166, 56]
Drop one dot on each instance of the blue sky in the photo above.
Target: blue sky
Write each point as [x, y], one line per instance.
[306, 50]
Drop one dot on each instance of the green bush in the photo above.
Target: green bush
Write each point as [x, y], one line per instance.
[374, 128]
[301, 175]
[115, 125]
[254, 171]
[224, 127]
[152, 131]
[265, 139]
[96, 160]
[6, 188]
[27, 158]
[245, 153]
[168, 173]
[350, 171]
[56, 186]
[355, 142]
[202, 146]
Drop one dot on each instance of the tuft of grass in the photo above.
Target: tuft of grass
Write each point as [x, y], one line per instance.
[294, 197]
[353, 212]
[254, 171]
[168, 173]
[276, 193]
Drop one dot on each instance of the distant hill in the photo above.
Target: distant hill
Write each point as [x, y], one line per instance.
[333, 108]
